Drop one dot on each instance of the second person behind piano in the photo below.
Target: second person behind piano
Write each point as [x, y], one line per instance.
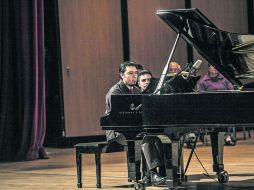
[144, 78]
[152, 146]
[174, 68]
[178, 81]
[182, 85]
[213, 81]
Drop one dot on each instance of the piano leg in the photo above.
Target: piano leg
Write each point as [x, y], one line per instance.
[134, 160]
[217, 142]
[172, 164]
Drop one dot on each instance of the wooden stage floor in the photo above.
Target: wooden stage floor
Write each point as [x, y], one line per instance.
[59, 172]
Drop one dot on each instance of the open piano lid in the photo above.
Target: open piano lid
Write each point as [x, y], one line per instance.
[231, 54]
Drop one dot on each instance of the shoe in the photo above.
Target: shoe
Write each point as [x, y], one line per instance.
[146, 180]
[156, 179]
[229, 141]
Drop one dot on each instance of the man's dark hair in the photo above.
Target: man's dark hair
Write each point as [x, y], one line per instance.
[139, 67]
[123, 65]
[143, 72]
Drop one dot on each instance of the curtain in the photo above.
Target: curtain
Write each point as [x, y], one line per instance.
[22, 81]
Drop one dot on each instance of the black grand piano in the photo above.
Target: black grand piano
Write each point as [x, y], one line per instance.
[168, 113]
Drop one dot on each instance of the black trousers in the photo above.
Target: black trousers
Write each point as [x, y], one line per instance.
[153, 152]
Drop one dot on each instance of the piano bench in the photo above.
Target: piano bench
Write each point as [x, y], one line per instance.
[95, 148]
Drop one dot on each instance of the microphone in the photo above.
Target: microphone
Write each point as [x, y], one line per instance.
[196, 66]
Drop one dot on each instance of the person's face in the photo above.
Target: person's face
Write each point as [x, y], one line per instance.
[144, 81]
[174, 68]
[130, 75]
[213, 72]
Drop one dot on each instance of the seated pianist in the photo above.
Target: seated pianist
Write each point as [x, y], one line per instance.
[127, 85]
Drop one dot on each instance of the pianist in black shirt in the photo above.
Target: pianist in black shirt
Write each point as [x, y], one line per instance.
[127, 85]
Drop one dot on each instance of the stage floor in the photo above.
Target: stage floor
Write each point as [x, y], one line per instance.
[59, 171]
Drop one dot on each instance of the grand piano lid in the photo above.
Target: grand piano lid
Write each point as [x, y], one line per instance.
[231, 54]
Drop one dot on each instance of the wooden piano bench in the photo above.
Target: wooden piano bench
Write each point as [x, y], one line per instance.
[95, 148]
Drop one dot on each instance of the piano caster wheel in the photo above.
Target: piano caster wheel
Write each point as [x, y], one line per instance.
[223, 177]
[139, 186]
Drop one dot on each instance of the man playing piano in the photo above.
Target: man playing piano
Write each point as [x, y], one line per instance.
[127, 85]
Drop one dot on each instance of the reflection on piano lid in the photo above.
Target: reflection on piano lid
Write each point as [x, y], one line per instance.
[231, 54]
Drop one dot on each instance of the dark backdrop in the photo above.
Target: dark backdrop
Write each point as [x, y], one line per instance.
[22, 87]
